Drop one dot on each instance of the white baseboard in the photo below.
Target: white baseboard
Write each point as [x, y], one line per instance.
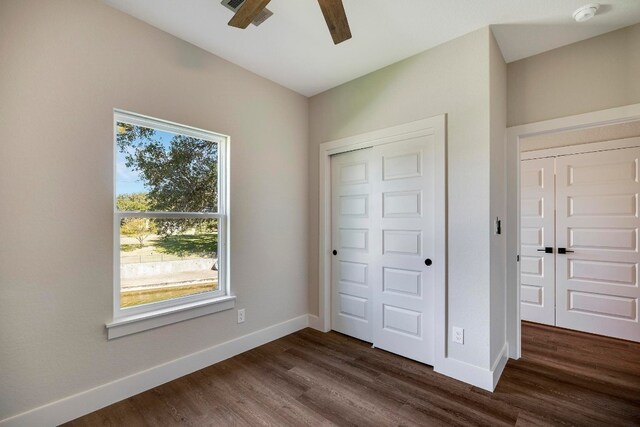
[314, 322]
[75, 406]
[499, 364]
[486, 379]
[466, 372]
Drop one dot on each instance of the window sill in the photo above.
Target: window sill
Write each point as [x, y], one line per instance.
[144, 321]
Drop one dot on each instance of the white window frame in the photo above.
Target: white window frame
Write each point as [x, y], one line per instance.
[142, 317]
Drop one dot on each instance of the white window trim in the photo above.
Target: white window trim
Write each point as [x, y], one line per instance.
[136, 319]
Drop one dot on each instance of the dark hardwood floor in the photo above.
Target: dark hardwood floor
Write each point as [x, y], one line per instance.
[311, 378]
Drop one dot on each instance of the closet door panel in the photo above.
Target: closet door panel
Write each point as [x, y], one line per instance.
[351, 306]
[404, 238]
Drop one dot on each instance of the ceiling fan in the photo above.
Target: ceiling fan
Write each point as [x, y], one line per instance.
[333, 12]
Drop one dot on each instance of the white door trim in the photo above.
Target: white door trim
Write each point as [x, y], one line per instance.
[432, 126]
[514, 135]
[590, 147]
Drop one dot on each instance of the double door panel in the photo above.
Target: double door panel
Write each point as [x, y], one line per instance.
[537, 233]
[597, 222]
[383, 234]
[597, 215]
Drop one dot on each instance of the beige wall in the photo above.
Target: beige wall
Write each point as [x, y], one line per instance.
[452, 78]
[590, 75]
[64, 66]
[498, 111]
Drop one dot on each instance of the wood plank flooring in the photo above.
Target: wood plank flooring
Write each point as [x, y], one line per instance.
[311, 378]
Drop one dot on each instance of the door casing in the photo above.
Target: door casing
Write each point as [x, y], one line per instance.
[514, 136]
[435, 126]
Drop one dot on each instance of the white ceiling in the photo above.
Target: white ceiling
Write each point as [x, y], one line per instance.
[294, 48]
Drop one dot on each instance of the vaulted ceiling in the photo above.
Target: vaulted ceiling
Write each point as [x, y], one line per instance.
[294, 48]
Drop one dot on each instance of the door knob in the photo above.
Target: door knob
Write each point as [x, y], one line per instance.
[335, 252]
[564, 251]
[547, 250]
[428, 261]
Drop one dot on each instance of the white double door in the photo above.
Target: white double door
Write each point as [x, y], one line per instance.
[383, 246]
[579, 236]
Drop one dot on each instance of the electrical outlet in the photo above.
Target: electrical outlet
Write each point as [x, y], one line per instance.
[241, 315]
[458, 335]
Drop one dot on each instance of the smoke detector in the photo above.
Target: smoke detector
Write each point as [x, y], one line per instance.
[586, 12]
[234, 5]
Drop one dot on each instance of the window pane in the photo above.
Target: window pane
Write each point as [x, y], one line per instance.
[162, 259]
[164, 172]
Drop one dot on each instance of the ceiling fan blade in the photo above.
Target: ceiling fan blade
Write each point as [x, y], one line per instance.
[336, 18]
[248, 11]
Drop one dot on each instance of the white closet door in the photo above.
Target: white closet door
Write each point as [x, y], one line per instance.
[597, 223]
[351, 239]
[404, 241]
[537, 234]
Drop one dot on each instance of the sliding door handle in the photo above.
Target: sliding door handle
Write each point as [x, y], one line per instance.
[547, 250]
[564, 251]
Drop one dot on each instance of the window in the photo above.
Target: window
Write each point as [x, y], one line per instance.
[170, 222]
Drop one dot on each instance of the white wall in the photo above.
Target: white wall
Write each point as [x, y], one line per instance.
[453, 78]
[64, 65]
